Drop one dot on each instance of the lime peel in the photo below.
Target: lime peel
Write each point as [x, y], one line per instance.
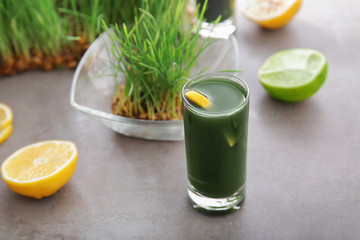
[294, 75]
[231, 140]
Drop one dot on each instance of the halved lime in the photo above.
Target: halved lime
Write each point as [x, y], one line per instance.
[294, 75]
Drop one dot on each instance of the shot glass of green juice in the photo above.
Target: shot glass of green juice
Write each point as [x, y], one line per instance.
[214, 9]
[216, 113]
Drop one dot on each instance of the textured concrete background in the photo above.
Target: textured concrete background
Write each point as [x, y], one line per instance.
[303, 163]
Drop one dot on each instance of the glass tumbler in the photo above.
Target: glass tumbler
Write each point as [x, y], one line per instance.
[216, 142]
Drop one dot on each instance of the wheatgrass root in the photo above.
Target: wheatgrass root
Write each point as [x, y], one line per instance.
[123, 106]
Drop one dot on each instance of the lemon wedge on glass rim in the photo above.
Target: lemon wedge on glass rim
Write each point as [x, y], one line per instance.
[40, 169]
[271, 14]
[198, 98]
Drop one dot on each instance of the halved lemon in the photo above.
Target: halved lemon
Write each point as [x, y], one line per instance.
[40, 169]
[6, 116]
[198, 98]
[271, 14]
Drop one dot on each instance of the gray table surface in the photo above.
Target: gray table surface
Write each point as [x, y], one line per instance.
[303, 161]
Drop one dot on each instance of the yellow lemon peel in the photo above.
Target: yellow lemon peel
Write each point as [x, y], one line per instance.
[5, 133]
[198, 98]
[6, 116]
[271, 14]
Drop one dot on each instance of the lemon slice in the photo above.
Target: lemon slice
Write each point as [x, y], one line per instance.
[271, 14]
[5, 133]
[198, 98]
[6, 116]
[39, 170]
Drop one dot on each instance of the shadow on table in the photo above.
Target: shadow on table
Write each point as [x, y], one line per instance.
[295, 121]
[23, 211]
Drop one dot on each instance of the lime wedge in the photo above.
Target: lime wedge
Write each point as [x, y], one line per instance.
[294, 75]
[231, 139]
[198, 98]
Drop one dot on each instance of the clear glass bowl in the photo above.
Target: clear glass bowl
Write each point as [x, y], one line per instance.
[92, 88]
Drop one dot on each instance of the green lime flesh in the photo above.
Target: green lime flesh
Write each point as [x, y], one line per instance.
[294, 75]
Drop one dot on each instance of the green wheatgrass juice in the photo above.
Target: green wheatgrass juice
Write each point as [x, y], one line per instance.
[216, 137]
[215, 8]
